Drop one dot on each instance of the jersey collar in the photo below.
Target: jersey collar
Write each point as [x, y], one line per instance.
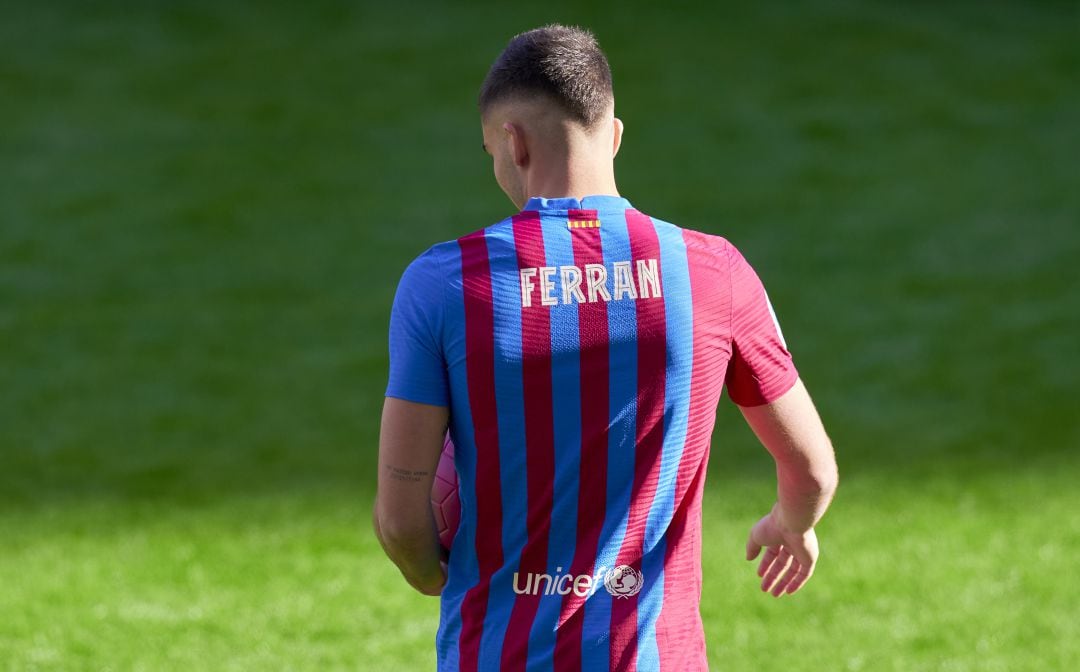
[602, 203]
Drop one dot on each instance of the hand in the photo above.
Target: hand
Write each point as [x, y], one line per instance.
[789, 556]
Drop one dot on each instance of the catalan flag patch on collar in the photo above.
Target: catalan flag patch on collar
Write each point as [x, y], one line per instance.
[582, 219]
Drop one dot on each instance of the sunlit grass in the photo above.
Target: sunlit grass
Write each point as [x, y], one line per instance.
[915, 574]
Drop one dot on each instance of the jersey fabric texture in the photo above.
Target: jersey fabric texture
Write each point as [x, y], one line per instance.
[581, 347]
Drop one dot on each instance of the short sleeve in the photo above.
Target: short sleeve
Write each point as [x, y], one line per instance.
[417, 362]
[761, 369]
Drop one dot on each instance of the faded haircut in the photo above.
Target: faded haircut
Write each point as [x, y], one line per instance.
[564, 64]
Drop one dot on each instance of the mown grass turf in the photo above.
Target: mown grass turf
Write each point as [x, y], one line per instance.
[204, 209]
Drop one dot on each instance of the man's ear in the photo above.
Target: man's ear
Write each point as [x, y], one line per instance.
[617, 131]
[518, 150]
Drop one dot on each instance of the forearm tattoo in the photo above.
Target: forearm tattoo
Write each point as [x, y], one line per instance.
[408, 475]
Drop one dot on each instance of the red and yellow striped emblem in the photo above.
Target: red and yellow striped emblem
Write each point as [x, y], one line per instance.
[583, 223]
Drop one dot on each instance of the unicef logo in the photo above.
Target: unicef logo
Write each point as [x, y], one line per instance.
[624, 582]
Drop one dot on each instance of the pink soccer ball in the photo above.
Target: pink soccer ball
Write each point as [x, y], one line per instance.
[444, 496]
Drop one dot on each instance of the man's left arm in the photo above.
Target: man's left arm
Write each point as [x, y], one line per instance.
[414, 420]
[410, 444]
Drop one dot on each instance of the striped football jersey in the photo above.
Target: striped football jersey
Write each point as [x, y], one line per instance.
[581, 347]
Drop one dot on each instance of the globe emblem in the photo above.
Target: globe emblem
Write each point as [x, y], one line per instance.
[624, 582]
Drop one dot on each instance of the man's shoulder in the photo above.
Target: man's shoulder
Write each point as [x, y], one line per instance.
[452, 247]
[694, 238]
[437, 260]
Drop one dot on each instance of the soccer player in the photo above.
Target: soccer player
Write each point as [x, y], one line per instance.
[577, 351]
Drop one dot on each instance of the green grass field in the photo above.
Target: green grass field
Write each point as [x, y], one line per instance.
[205, 207]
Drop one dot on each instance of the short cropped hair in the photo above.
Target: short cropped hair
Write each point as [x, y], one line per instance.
[563, 63]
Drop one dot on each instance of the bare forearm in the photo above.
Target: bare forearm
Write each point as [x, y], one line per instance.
[805, 462]
[804, 495]
[410, 441]
[806, 476]
[413, 546]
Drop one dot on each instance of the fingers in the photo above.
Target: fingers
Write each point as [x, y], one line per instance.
[788, 563]
[786, 571]
[792, 580]
[767, 560]
[781, 561]
[803, 554]
[799, 577]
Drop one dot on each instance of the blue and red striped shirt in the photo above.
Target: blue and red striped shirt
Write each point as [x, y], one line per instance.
[581, 347]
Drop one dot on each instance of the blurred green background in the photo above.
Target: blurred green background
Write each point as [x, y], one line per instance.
[205, 207]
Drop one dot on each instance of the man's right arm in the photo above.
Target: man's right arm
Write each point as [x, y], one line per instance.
[791, 430]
